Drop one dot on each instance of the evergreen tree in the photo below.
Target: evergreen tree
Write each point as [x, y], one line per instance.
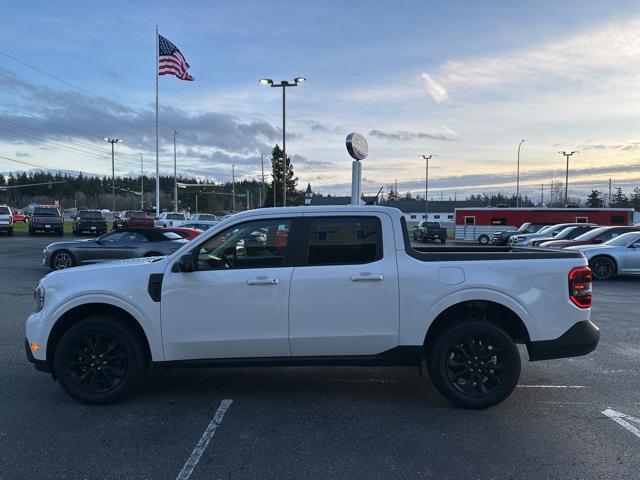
[619, 199]
[635, 198]
[277, 177]
[594, 199]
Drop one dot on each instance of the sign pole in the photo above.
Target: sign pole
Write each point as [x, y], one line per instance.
[157, 141]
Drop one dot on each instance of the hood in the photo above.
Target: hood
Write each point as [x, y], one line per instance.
[152, 264]
[68, 244]
[582, 248]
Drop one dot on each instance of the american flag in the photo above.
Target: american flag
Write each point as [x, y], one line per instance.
[171, 60]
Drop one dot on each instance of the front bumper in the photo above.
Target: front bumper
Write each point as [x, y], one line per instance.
[41, 365]
[582, 338]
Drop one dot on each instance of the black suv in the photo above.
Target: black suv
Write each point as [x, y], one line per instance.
[91, 221]
[46, 218]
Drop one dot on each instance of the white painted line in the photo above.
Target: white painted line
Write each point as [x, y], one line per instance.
[552, 386]
[202, 444]
[621, 419]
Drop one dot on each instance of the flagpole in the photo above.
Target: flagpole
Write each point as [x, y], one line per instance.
[157, 142]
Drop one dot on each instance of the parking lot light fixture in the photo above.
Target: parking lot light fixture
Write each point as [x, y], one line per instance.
[113, 141]
[566, 179]
[283, 85]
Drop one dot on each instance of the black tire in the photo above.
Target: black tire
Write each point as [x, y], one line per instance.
[483, 239]
[473, 364]
[603, 267]
[100, 338]
[31, 231]
[10, 232]
[60, 233]
[443, 241]
[61, 260]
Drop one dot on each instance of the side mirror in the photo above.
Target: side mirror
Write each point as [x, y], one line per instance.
[597, 240]
[185, 264]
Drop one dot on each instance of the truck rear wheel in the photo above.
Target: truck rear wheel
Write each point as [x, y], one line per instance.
[483, 239]
[474, 364]
[99, 360]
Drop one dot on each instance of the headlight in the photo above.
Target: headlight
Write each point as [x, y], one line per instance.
[38, 298]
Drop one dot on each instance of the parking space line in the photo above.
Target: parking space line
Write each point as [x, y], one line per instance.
[551, 386]
[621, 419]
[202, 444]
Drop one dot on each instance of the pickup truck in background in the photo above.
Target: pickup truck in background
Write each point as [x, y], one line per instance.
[502, 238]
[314, 286]
[133, 219]
[429, 231]
[6, 220]
[170, 219]
[46, 218]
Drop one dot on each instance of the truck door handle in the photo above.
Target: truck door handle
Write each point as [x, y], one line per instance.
[263, 281]
[366, 278]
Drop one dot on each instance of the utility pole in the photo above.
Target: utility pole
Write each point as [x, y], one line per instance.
[113, 141]
[233, 188]
[542, 195]
[248, 200]
[566, 180]
[426, 185]
[175, 174]
[609, 197]
[518, 176]
[262, 185]
[141, 183]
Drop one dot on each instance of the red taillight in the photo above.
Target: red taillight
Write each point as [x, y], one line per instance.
[580, 286]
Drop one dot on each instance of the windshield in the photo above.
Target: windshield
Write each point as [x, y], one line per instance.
[548, 229]
[206, 216]
[136, 215]
[4, 211]
[171, 235]
[623, 240]
[565, 232]
[175, 216]
[90, 215]
[591, 234]
[46, 212]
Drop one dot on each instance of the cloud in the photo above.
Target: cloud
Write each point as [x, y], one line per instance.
[624, 147]
[405, 136]
[437, 91]
[23, 154]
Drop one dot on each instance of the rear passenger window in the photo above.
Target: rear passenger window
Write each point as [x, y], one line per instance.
[344, 240]
[618, 220]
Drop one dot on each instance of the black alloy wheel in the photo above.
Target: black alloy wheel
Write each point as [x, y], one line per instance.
[62, 259]
[483, 240]
[603, 268]
[99, 360]
[474, 364]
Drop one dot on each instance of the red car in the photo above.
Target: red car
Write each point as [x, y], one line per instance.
[187, 233]
[592, 237]
[20, 216]
[133, 218]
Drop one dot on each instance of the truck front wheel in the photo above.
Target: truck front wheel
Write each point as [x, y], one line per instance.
[474, 364]
[99, 360]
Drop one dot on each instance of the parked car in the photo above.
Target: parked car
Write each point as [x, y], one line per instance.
[46, 218]
[170, 219]
[90, 221]
[618, 256]
[568, 233]
[546, 232]
[20, 216]
[502, 238]
[324, 286]
[208, 217]
[184, 232]
[117, 245]
[425, 231]
[6, 220]
[593, 237]
[203, 225]
[133, 218]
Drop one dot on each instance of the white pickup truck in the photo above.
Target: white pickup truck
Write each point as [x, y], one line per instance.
[314, 286]
[170, 219]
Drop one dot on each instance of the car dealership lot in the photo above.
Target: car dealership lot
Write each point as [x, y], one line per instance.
[320, 422]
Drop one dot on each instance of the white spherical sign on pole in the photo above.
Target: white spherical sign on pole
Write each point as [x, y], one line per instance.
[358, 149]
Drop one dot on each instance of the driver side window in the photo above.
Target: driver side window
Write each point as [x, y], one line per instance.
[256, 244]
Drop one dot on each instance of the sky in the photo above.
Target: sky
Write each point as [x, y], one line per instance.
[465, 81]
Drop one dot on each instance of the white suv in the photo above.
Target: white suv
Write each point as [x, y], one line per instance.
[6, 220]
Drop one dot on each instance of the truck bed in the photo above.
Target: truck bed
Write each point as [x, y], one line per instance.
[426, 254]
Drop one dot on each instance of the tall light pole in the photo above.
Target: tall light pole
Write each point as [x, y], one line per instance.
[233, 188]
[426, 185]
[113, 141]
[175, 174]
[566, 178]
[141, 183]
[518, 176]
[284, 84]
[262, 185]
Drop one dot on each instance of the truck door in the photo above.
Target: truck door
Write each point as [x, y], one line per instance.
[632, 257]
[235, 304]
[344, 295]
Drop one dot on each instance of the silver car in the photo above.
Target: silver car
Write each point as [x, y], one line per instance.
[547, 232]
[618, 256]
[120, 244]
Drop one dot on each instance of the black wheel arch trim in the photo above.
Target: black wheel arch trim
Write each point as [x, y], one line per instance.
[155, 286]
[582, 338]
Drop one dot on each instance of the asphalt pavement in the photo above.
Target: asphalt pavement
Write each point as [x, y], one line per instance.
[322, 423]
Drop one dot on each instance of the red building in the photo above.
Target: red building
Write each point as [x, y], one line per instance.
[473, 223]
